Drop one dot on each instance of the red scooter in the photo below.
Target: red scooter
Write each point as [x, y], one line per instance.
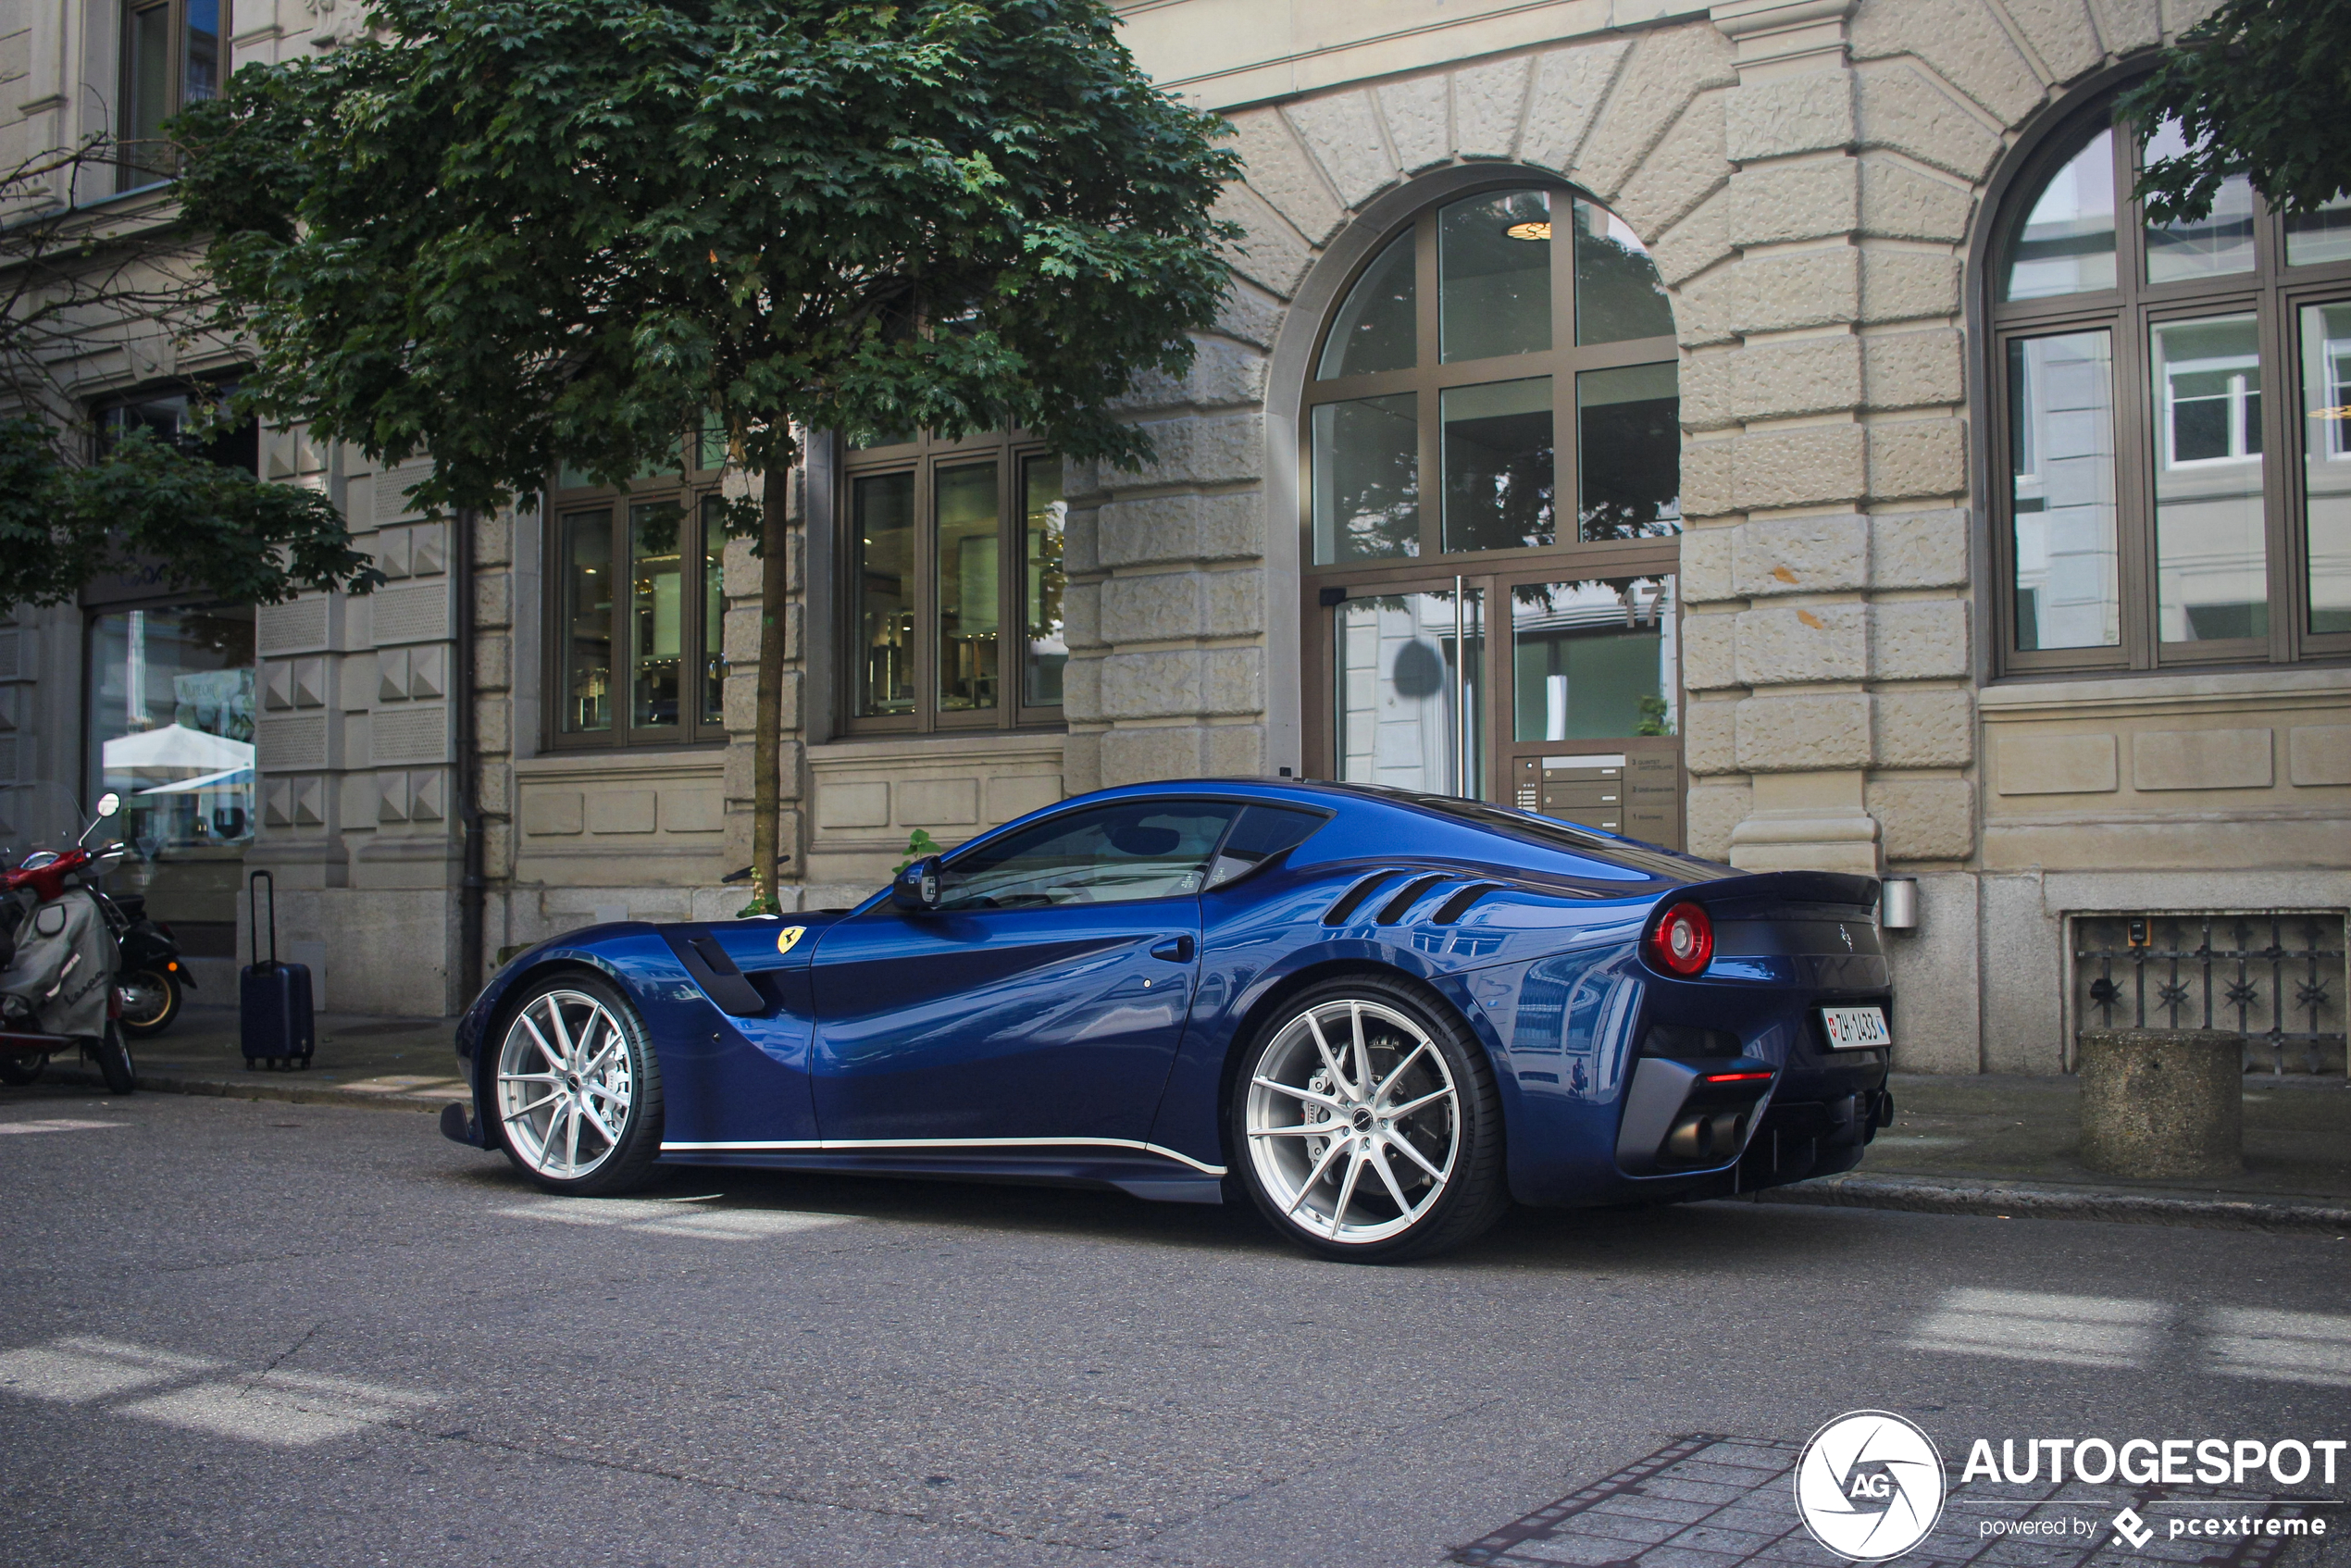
[59, 955]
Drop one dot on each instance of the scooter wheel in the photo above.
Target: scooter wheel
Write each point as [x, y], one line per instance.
[114, 1061]
[151, 1000]
[21, 1067]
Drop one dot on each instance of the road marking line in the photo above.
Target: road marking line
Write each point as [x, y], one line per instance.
[2043, 1326]
[658, 1218]
[56, 1124]
[2282, 1346]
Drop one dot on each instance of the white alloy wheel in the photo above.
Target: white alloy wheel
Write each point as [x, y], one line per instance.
[566, 1084]
[1354, 1122]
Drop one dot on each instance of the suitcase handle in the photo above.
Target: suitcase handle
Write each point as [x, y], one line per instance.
[253, 909]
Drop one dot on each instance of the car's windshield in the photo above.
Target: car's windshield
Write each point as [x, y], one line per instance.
[1553, 834]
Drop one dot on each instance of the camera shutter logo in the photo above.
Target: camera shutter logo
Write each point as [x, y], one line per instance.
[1869, 1485]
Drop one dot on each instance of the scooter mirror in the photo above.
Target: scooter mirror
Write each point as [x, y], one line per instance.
[108, 804]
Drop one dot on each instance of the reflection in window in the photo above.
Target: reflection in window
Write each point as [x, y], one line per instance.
[2067, 244]
[1045, 518]
[1618, 295]
[656, 617]
[170, 59]
[2061, 491]
[714, 611]
[1112, 854]
[1375, 329]
[1498, 465]
[2219, 242]
[1494, 276]
[1593, 659]
[2326, 395]
[882, 516]
[2321, 236]
[1366, 477]
[587, 618]
[2211, 567]
[1404, 693]
[1629, 450]
[969, 587]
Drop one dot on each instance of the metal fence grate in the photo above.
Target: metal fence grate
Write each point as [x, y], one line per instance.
[2277, 978]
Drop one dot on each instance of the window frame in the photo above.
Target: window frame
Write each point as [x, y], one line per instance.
[130, 175]
[692, 489]
[2274, 295]
[925, 457]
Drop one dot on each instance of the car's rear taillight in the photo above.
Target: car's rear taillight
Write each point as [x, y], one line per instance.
[1683, 943]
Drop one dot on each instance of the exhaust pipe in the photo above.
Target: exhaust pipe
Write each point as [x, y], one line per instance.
[1705, 1138]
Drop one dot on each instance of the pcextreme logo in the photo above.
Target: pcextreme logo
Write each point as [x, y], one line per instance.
[1869, 1485]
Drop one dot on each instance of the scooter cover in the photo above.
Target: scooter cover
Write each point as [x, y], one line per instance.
[62, 961]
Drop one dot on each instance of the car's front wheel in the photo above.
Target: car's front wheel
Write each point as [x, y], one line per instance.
[1366, 1124]
[577, 1091]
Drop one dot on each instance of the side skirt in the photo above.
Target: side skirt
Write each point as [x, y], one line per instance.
[1141, 1170]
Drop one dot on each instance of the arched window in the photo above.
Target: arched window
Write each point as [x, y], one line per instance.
[1491, 500]
[2174, 421]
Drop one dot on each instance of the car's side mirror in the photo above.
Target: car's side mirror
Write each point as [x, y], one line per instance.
[916, 888]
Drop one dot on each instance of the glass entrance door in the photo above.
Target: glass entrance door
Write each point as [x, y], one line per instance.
[1411, 684]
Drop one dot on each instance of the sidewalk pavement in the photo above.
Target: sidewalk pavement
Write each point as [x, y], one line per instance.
[1998, 1144]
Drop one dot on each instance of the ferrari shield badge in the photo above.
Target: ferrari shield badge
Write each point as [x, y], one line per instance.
[788, 937]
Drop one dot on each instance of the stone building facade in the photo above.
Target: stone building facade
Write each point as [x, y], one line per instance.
[1909, 599]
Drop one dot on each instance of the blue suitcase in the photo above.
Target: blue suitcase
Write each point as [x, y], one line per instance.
[274, 1022]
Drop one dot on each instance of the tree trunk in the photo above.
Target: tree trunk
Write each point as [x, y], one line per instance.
[768, 743]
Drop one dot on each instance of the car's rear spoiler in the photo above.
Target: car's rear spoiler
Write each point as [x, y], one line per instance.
[1788, 887]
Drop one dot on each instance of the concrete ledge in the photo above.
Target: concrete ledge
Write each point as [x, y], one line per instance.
[284, 1086]
[2019, 1201]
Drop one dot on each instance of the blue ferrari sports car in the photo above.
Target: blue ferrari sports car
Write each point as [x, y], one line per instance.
[1381, 1015]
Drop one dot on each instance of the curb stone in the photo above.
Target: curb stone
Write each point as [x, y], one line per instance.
[1944, 1197]
[229, 1088]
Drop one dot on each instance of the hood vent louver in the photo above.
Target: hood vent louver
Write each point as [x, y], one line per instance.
[1353, 900]
[1452, 909]
[1402, 903]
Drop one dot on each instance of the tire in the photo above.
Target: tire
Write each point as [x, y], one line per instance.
[553, 1117]
[113, 1057]
[151, 1000]
[1434, 1173]
[22, 1067]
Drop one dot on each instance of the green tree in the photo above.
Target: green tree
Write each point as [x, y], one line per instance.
[2259, 88]
[515, 233]
[69, 512]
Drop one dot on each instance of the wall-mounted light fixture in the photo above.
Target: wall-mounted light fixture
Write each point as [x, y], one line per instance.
[1897, 908]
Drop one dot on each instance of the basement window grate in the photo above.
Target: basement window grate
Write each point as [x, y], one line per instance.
[2275, 977]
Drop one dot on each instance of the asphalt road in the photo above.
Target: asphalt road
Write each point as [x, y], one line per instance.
[246, 1333]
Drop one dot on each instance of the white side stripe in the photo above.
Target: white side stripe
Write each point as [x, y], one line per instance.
[831, 1145]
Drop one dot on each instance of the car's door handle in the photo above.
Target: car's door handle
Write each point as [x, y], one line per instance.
[1176, 949]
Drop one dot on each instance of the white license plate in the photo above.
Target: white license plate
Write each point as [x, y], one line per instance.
[1855, 1028]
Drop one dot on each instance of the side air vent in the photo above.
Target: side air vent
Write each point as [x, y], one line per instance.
[1409, 897]
[1452, 909]
[1353, 900]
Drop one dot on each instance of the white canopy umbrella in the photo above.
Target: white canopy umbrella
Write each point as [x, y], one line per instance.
[175, 748]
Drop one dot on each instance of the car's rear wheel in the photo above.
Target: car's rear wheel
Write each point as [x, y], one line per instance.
[1366, 1124]
[577, 1092]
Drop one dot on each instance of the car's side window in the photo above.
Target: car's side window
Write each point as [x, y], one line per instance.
[1111, 854]
[1262, 833]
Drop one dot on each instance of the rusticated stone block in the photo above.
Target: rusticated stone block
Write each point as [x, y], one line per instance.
[1694, 243]
[1081, 533]
[1912, 369]
[1082, 614]
[2162, 1102]
[1418, 113]
[1486, 101]
[1924, 818]
[1279, 170]
[1925, 730]
[1342, 132]
[1918, 641]
[1709, 732]
[1773, 294]
[1082, 689]
[1708, 383]
[1907, 285]
[1778, 381]
[1232, 751]
[1685, 167]
[1800, 734]
[1181, 527]
[1899, 202]
[1781, 645]
[2059, 31]
[1250, 314]
[1163, 685]
[1269, 251]
[1808, 113]
[1802, 555]
[1918, 458]
[1707, 570]
[1160, 607]
[1712, 811]
[2129, 24]
[1903, 111]
[1222, 375]
[1667, 68]
[1569, 86]
[1960, 40]
[1919, 550]
[1710, 656]
[1207, 449]
[1234, 602]
[1705, 477]
[1142, 756]
[1233, 682]
[1798, 467]
[1797, 201]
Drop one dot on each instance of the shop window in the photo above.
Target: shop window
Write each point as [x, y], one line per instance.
[638, 610]
[173, 54]
[952, 582]
[2161, 507]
